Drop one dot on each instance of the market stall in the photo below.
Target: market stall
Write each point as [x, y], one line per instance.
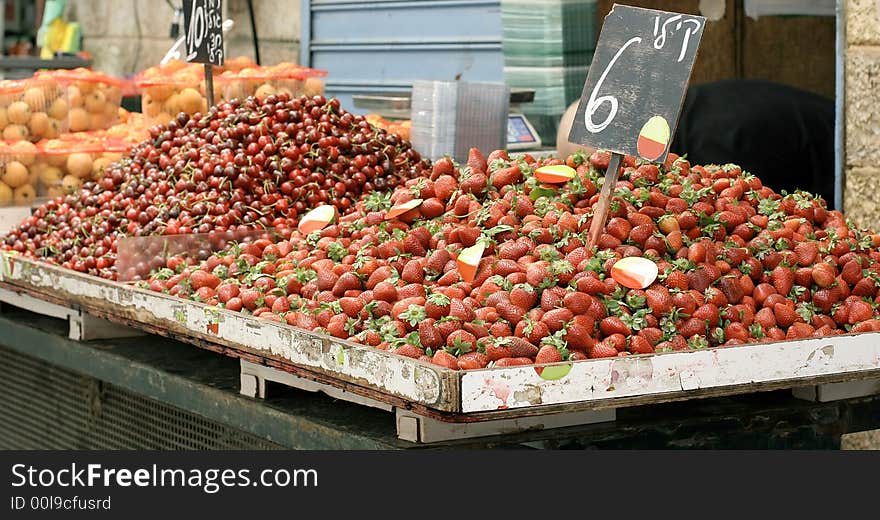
[446, 300]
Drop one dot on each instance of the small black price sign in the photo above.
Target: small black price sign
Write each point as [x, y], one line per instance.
[203, 22]
[637, 81]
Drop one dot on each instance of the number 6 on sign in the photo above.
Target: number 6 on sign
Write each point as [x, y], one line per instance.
[594, 102]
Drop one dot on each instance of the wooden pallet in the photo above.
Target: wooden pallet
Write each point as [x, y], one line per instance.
[450, 395]
[412, 426]
[83, 326]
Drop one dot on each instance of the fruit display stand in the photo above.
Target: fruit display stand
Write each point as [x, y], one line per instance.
[436, 404]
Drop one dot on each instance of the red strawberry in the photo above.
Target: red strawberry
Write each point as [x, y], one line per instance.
[603, 350]
[851, 272]
[576, 302]
[799, 330]
[579, 337]
[523, 296]
[506, 176]
[782, 279]
[865, 288]
[429, 335]
[520, 347]
[708, 313]
[458, 309]
[614, 325]
[823, 275]
[472, 361]
[443, 166]
[336, 326]
[677, 280]
[732, 290]
[785, 314]
[859, 311]
[692, 327]
[699, 279]
[806, 253]
[513, 362]
[199, 279]
[351, 306]
[640, 345]
[548, 354]
[537, 273]
[445, 359]
[557, 318]
[476, 161]
[510, 312]
[736, 331]
[658, 300]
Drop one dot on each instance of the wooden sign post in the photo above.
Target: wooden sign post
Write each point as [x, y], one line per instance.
[203, 21]
[635, 89]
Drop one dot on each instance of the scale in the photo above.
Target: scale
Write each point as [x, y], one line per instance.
[521, 135]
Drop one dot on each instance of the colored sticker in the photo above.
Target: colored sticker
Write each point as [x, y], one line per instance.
[554, 372]
[653, 138]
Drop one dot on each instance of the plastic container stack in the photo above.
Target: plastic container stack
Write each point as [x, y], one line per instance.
[93, 97]
[548, 46]
[450, 117]
[32, 109]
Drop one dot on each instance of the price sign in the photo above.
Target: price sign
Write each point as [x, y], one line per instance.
[203, 22]
[637, 81]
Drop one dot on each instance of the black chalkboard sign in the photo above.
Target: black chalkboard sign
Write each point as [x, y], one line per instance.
[637, 81]
[203, 23]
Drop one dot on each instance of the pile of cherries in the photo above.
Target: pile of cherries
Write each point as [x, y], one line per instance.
[257, 163]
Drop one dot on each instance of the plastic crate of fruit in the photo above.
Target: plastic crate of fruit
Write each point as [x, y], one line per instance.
[32, 109]
[20, 183]
[94, 97]
[63, 164]
[260, 82]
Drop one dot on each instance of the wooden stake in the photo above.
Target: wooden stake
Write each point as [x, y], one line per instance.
[600, 215]
[209, 84]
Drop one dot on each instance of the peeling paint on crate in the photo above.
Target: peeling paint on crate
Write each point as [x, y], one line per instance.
[675, 372]
[388, 372]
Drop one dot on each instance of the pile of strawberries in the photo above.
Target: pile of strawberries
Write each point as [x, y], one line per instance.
[738, 263]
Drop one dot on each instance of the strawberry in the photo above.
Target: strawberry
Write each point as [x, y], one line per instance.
[708, 313]
[548, 354]
[520, 347]
[785, 314]
[603, 350]
[460, 311]
[806, 253]
[351, 306]
[473, 361]
[510, 312]
[859, 311]
[250, 298]
[557, 318]
[576, 302]
[513, 362]
[658, 300]
[782, 279]
[199, 279]
[732, 290]
[736, 331]
[476, 161]
[677, 280]
[699, 279]
[579, 337]
[523, 296]
[692, 327]
[640, 345]
[336, 326]
[799, 330]
[823, 275]
[614, 325]
[442, 166]
[429, 336]
[865, 288]
[496, 350]
[537, 274]
[591, 286]
[652, 334]
[550, 300]
[445, 359]
[506, 176]
[851, 272]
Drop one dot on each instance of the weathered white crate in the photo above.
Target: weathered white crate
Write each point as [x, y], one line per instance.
[427, 389]
[83, 326]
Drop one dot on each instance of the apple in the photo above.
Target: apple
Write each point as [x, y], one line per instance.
[399, 209]
[555, 174]
[468, 261]
[634, 272]
[317, 219]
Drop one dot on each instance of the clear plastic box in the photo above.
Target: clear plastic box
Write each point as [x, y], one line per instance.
[32, 109]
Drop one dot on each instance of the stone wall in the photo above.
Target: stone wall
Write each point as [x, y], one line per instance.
[127, 36]
[862, 189]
